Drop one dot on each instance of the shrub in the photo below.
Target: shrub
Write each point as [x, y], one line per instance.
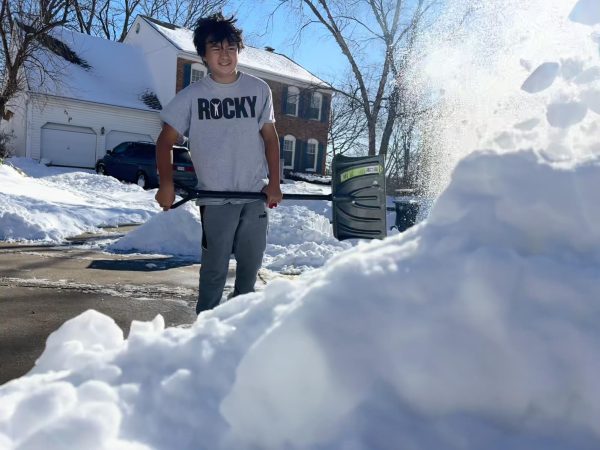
[309, 177]
[5, 150]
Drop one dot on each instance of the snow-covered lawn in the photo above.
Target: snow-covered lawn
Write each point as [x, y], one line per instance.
[49, 204]
[476, 329]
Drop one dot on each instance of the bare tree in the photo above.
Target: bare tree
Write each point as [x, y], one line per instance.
[25, 27]
[85, 15]
[348, 125]
[109, 19]
[412, 110]
[112, 19]
[402, 159]
[184, 13]
[370, 34]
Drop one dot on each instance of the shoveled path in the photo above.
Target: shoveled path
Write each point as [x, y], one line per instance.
[41, 287]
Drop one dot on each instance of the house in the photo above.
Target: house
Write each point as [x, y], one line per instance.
[94, 94]
[109, 92]
[301, 100]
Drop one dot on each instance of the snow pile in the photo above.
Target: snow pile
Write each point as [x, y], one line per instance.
[300, 235]
[476, 329]
[299, 239]
[504, 339]
[53, 204]
[174, 232]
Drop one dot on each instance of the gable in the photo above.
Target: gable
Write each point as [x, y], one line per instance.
[263, 63]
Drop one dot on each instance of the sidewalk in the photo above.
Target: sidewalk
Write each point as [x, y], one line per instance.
[42, 287]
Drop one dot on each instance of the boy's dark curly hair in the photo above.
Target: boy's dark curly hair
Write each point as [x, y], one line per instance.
[216, 28]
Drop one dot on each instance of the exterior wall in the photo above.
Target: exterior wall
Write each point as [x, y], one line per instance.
[161, 57]
[182, 79]
[16, 125]
[301, 128]
[84, 114]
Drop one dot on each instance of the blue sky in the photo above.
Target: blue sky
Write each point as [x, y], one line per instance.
[316, 51]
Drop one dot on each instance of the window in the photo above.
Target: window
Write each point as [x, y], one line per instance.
[289, 149]
[312, 150]
[196, 75]
[181, 155]
[293, 97]
[197, 72]
[120, 149]
[145, 151]
[316, 100]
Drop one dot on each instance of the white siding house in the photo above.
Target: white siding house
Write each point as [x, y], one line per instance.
[70, 132]
[159, 53]
[102, 93]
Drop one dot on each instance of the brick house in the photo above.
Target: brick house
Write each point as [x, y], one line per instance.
[301, 100]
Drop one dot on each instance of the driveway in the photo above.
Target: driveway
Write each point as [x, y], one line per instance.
[41, 287]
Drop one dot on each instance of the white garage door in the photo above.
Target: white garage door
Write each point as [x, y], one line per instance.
[114, 138]
[66, 145]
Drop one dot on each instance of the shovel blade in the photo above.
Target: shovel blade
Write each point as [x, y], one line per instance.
[358, 189]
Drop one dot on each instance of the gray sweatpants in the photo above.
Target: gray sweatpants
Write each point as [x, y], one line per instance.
[240, 229]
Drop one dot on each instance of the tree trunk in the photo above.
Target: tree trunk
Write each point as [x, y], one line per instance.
[372, 138]
[390, 121]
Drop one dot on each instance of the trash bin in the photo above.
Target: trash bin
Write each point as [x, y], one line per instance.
[406, 213]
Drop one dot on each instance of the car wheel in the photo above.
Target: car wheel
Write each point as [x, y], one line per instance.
[100, 169]
[142, 180]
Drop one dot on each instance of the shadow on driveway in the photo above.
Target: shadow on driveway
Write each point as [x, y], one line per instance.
[140, 265]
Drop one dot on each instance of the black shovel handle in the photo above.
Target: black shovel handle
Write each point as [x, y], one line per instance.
[195, 194]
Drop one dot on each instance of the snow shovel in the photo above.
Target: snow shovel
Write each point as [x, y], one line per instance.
[357, 196]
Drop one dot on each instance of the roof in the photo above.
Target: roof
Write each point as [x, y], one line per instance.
[95, 69]
[254, 58]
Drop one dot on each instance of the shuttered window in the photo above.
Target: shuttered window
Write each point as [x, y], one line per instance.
[312, 147]
[314, 110]
[197, 75]
[289, 150]
[293, 98]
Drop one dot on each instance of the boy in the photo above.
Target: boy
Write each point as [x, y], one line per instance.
[229, 119]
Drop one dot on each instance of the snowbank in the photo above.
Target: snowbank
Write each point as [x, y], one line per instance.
[50, 204]
[300, 235]
[476, 329]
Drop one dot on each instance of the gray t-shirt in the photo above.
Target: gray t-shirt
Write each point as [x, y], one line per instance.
[223, 123]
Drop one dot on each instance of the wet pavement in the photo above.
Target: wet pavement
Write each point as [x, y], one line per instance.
[41, 287]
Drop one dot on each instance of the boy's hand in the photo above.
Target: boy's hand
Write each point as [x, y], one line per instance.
[165, 196]
[274, 194]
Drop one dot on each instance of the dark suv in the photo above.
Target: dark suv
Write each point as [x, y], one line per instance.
[135, 162]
